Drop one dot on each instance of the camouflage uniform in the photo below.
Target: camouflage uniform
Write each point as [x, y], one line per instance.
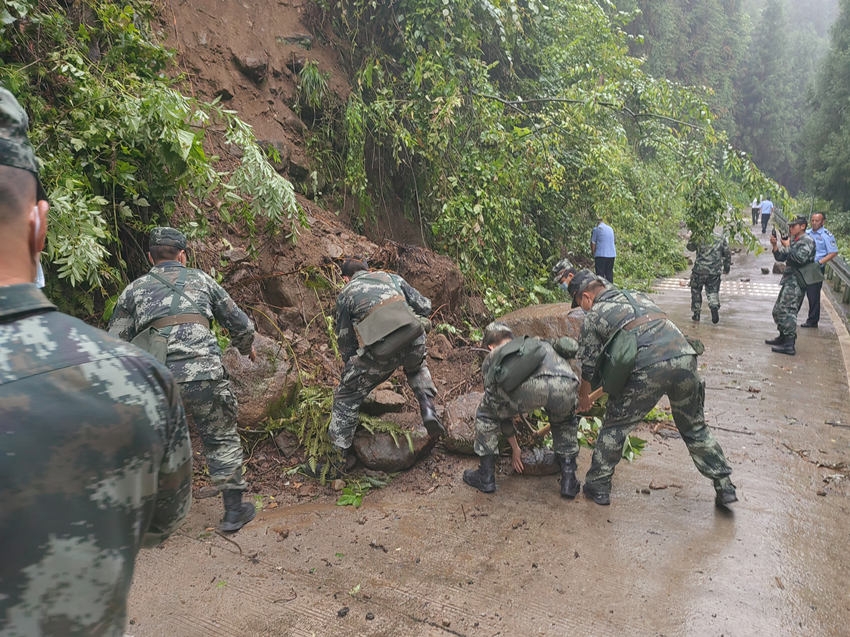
[363, 371]
[554, 386]
[194, 357]
[665, 364]
[96, 463]
[800, 252]
[712, 255]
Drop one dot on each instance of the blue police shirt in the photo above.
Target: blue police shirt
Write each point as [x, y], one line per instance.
[766, 207]
[603, 237]
[824, 242]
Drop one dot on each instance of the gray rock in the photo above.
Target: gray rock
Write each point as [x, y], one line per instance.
[383, 401]
[301, 39]
[380, 452]
[253, 67]
[779, 267]
[263, 387]
[287, 442]
[765, 270]
[546, 321]
[459, 422]
[539, 462]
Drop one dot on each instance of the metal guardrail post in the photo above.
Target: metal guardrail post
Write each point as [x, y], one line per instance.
[837, 270]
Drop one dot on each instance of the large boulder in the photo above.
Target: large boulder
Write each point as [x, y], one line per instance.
[551, 320]
[262, 387]
[459, 422]
[380, 451]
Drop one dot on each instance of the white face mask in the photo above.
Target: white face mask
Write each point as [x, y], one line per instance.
[39, 272]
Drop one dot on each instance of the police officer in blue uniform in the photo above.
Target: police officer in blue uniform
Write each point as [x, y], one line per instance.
[825, 250]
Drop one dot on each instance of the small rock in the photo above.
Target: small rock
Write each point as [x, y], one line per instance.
[645, 491]
[765, 270]
[439, 347]
[460, 423]
[370, 617]
[778, 268]
[301, 39]
[821, 492]
[252, 67]
[287, 443]
[338, 485]
[382, 401]
[235, 255]
[342, 612]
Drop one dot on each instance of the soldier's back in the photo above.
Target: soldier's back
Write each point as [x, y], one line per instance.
[86, 425]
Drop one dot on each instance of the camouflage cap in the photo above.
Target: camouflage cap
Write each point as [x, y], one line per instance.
[166, 236]
[799, 220]
[15, 148]
[580, 281]
[561, 269]
[495, 332]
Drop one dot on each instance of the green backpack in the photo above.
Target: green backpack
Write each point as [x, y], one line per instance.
[514, 362]
[618, 356]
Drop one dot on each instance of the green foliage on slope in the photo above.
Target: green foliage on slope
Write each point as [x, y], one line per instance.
[122, 148]
[508, 127]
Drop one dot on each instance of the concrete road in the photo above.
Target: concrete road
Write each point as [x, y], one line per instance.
[661, 560]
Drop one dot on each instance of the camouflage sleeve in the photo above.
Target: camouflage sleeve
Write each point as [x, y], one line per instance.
[174, 484]
[122, 323]
[590, 347]
[420, 304]
[228, 314]
[346, 339]
[727, 255]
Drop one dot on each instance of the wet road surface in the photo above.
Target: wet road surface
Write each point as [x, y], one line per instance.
[661, 560]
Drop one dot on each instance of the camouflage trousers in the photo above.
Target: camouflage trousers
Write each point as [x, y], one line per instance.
[787, 305]
[678, 379]
[558, 395]
[361, 374]
[213, 408]
[711, 282]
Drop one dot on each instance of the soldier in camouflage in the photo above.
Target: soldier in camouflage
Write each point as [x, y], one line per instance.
[665, 364]
[553, 386]
[93, 437]
[364, 369]
[180, 303]
[712, 255]
[796, 251]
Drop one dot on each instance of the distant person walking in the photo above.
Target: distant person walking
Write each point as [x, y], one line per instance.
[754, 209]
[603, 250]
[825, 251]
[766, 207]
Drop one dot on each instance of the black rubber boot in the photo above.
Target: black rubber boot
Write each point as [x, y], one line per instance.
[695, 317]
[715, 315]
[787, 346]
[775, 341]
[602, 498]
[570, 486]
[429, 416]
[484, 477]
[807, 324]
[236, 513]
[725, 491]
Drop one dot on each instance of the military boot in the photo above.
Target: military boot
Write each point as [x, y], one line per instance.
[715, 315]
[429, 416]
[786, 347]
[775, 341]
[570, 486]
[600, 497]
[484, 477]
[725, 491]
[334, 467]
[695, 317]
[236, 513]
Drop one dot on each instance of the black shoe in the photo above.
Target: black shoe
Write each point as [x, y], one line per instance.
[695, 317]
[429, 417]
[725, 497]
[236, 513]
[775, 341]
[715, 316]
[484, 477]
[807, 324]
[570, 486]
[599, 497]
[787, 347]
